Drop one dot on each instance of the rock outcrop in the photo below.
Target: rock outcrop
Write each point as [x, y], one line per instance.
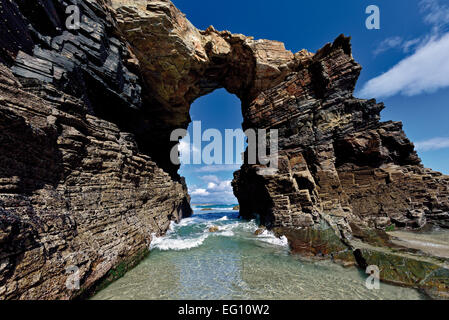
[79, 198]
[87, 113]
[336, 157]
[339, 165]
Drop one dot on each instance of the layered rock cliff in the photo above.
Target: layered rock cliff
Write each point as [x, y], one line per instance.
[86, 177]
[79, 196]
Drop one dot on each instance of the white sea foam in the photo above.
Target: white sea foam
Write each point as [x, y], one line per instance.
[167, 243]
[226, 233]
[213, 209]
[269, 237]
[223, 209]
[186, 222]
[171, 228]
[250, 226]
[227, 227]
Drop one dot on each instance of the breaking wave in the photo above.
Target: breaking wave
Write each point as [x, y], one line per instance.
[165, 244]
[193, 232]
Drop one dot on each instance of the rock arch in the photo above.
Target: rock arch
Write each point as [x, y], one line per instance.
[85, 118]
[338, 161]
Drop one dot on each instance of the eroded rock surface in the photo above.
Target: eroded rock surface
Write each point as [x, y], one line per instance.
[337, 158]
[78, 197]
[339, 164]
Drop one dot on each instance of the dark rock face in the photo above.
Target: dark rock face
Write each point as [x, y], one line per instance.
[76, 189]
[85, 123]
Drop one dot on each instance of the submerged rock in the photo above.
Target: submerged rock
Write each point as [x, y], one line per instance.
[403, 267]
[318, 242]
[78, 189]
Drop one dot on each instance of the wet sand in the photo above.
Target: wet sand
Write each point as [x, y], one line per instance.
[435, 243]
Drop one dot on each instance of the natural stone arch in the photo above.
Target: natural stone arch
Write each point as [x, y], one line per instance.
[86, 186]
[180, 64]
[335, 154]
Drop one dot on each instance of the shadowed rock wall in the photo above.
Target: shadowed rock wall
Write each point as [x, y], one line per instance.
[76, 189]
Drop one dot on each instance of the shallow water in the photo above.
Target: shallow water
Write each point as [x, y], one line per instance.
[192, 263]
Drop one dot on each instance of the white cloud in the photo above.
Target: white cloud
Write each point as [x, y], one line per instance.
[387, 44]
[221, 198]
[410, 44]
[435, 13]
[184, 146]
[433, 144]
[399, 43]
[215, 192]
[210, 178]
[218, 168]
[199, 192]
[186, 149]
[211, 185]
[221, 186]
[425, 71]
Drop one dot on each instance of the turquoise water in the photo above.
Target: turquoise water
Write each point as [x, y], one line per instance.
[233, 263]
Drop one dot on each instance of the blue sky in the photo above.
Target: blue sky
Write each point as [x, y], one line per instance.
[405, 64]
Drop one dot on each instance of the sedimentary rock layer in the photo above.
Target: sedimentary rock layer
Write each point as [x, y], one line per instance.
[339, 165]
[86, 117]
[336, 157]
[78, 197]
